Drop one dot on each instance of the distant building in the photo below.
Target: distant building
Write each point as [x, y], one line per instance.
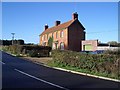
[93, 45]
[65, 36]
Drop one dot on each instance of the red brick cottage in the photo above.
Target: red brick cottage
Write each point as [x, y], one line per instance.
[66, 36]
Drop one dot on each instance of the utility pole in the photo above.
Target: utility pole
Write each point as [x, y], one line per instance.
[13, 38]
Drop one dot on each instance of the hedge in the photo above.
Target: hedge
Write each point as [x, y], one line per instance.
[93, 63]
[113, 52]
[29, 50]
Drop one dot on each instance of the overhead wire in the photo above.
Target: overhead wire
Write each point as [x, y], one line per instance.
[102, 32]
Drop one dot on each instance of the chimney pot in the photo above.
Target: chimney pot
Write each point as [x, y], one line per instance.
[75, 16]
[57, 23]
[46, 26]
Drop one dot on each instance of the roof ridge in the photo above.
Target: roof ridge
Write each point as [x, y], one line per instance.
[60, 26]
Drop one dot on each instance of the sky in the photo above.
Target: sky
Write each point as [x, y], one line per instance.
[27, 19]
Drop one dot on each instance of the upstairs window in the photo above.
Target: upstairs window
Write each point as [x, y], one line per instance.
[52, 35]
[56, 34]
[43, 37]
[61, 34]
[47, 36]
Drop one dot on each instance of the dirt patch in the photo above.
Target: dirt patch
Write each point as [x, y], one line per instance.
[42, 60]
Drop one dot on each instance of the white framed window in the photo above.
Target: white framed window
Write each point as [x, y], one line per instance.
[43, 37]
[61, 46]
[61, 34]
[53, 47]
[43, 43]
[52, 34]
[57, 34]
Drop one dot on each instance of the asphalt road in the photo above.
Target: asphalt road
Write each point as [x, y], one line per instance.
[19, 73]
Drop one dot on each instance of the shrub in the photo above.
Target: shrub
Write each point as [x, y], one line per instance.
[113, 52]
[93, 63]
[30, 50]
[50, 41]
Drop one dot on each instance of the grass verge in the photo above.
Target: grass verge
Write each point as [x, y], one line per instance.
[103, 74]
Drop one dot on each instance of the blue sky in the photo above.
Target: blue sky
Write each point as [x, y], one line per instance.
[27, 19]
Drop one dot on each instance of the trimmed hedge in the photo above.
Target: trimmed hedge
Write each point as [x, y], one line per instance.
[113, 52]
[29, 50]
[92, 63]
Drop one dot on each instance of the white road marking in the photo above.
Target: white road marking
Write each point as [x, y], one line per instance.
[2, 62]
[40, 79]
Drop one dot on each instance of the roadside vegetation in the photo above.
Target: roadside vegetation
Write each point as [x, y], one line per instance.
[106, 64]
[28, 50]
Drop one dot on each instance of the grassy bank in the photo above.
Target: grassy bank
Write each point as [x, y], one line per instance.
[106, 65]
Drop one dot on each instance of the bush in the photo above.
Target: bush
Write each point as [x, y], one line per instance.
[30, 50]
[93, 63]
[113, 52]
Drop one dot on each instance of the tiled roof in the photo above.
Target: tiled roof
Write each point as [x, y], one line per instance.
[59, 27]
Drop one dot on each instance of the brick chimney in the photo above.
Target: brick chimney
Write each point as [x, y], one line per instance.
[75, 16]
[46, 26]
[57, 23]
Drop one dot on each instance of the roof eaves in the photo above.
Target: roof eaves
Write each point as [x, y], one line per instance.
[52, 31]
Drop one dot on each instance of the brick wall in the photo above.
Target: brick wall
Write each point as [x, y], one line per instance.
[93, 43]
[60, 39]
[75, 36]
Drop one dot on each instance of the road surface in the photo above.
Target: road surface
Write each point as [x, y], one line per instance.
[19, 73]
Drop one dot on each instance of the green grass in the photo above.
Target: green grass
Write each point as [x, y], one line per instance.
[103, 74]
